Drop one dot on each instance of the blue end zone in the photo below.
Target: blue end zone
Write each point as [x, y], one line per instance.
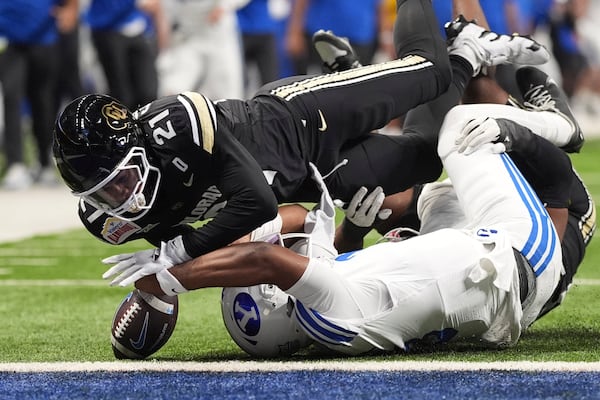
[301, 385]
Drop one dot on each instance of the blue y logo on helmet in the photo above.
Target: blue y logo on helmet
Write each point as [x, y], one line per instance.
[246, 314]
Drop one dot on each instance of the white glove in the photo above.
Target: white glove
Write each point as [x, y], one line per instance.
[320, 222]
[132, 266]
[362, 211]
[478, 132]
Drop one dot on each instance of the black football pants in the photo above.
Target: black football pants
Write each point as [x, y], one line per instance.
[339, 111]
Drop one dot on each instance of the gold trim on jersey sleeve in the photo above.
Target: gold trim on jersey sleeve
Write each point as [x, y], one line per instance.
[588, 223]
[208, 123]
[361, 74]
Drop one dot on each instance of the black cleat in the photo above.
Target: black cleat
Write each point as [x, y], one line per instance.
[336, 52]
[541, 93]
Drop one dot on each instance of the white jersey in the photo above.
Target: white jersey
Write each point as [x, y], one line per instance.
[457, 282]
[465, 287]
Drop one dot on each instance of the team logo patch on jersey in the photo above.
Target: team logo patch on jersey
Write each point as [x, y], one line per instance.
[116, 231]
[115, 115]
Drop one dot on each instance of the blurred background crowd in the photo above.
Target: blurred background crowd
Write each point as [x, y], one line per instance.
[52, 51]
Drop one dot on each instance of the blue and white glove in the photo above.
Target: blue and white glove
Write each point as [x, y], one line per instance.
[479, 131]
[362, 211]
[130, 267]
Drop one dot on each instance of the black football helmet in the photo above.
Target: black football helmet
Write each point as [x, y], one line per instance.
[100, 154]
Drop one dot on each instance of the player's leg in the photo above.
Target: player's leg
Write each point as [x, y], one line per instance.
[377, 160]
[496, 197]
[438, 207]
[471, 10]
[416, 33]
[354, 102]
[541, 93]
[357, 101]
[395, 163]
[548, 124]
[485, 88]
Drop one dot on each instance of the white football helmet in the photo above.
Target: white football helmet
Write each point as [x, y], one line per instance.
[261, 320]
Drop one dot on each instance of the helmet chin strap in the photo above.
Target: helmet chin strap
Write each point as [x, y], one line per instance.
[138, 202]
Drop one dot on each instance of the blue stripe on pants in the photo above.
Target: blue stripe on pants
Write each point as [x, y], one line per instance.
[538, 254]
[321, 329]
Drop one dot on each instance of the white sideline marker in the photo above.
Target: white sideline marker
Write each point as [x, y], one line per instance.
[273, 366]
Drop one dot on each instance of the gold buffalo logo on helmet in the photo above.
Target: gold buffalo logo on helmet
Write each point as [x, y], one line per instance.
[116, 115]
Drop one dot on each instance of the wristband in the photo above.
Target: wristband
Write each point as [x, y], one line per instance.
[169, 284]
[267, 231]
[175, 251]
[352, 231]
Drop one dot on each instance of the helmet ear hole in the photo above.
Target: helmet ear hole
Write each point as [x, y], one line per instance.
[261, 321]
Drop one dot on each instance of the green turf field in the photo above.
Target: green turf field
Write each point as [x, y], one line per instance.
[55, 307]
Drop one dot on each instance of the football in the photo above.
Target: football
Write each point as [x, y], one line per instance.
[142, 324]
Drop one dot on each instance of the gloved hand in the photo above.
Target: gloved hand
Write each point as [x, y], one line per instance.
[479, 131]
[132, 266]
[320, 222]
[362, 211]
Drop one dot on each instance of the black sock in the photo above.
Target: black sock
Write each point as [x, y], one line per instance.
[462, 71]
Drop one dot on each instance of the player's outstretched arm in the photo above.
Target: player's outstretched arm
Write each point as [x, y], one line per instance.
[237, 265]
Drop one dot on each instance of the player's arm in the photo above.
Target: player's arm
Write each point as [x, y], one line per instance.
[66, 15]
[252, 263]
[244, 264]
[483, 88]
[222, 161]
[248, 206]
[160, 234]
[250, 200]
[290, 218]
[396, 210]
[294, 39]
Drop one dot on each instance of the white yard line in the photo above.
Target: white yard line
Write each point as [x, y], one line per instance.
[274, 366]
[53, 282]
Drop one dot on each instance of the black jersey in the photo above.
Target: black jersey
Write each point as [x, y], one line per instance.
[283, 138]
[581, 226]
[232, 161]
[205, 174]
[273, 133]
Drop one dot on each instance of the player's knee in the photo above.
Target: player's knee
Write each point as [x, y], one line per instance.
[454, 121]
[450, 130]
